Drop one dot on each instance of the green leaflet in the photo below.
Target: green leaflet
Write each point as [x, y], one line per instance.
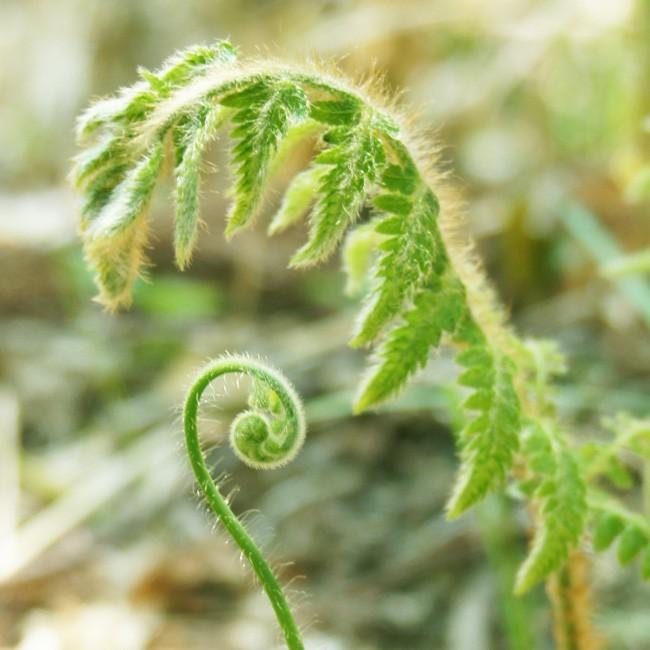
[106, 152]
[354, 158]
[117, 264]
[117, 236]
[345, 111]
[488, 442]
[608, 528]
[436, 309]
[183, 66]
[633, 541]
[133, 104]
[615, 522]
[130, 198]
[98, 191]
[296, 201]
[194, 137]
[358, 251]
[560, 489]
[264, 112]
[410, 252]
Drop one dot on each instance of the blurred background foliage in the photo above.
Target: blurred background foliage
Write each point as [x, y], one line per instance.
[543, 112]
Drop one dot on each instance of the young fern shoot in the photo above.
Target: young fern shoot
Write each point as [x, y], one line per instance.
[419, 294]
[424, 287]
[267, 435]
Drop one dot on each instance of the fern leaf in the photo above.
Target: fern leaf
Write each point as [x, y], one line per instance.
[354, 159]
[130, 197]
[633, 541]
[90, 161]
[560, 489]
[118, 264]
[345, 110]
[614, 521]
[98, 192]
[489, 441]
[436, 309]
[408, 255]
[133, 104]
[608, 528]
[195, 136]
[296, 201]
[357, 255]
[183, 66]
[264, 112]
[117, 236]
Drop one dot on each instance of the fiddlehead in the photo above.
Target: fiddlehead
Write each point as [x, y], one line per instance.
[267, 435]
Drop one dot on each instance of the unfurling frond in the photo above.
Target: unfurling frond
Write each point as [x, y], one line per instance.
[362, 167]
[366, 182]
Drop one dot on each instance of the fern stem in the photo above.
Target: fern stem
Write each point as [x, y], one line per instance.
[569, 591]
[645, 479]
[271, 391]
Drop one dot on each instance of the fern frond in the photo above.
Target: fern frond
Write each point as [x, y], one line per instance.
[267, 435]
[423, 287]
[557, 485]
[420, 290]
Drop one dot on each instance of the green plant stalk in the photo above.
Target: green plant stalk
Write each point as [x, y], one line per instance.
[570, 598]
[211, 492]
[646, 488]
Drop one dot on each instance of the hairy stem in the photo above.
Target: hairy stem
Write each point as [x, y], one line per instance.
[293, 427]
[570, 594]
